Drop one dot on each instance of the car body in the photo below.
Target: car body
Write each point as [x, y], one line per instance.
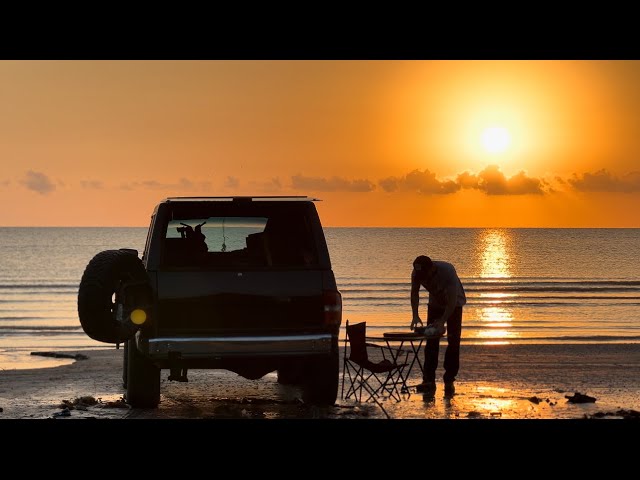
[237, 283]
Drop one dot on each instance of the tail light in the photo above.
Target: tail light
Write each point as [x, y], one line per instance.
[332, 303]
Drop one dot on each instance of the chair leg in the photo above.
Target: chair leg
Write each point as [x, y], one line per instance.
[359, 381]
[375, 399]
[388, 385]
[344, 367]
[393, 384]
[354, 381]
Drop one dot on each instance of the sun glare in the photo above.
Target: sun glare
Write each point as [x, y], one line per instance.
[496, 139]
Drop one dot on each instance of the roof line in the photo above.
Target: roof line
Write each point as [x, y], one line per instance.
[246, 197]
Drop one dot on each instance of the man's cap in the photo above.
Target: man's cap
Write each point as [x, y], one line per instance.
[422, 262]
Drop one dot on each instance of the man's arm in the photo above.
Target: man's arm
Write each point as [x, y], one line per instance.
[415, 302]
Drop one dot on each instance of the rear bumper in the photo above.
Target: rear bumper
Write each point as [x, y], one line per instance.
[234, 347]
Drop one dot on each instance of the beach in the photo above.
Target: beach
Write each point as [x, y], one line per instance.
[495, 382]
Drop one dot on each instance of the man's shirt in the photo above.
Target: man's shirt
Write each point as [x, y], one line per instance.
[444, 283]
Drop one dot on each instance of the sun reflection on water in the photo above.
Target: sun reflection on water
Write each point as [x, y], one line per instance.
[496, 315]
[495, 246]
[495, 263]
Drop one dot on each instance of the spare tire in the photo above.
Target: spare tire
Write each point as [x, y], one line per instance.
[104, 278]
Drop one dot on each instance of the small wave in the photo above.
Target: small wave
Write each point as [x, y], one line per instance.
[558, 297]
[555, 281]
[364, 283]
[348, 291]
[38, 295]
[377, 330]
[38, 300]
[33, 328]
[354, 302]
[33, 286]
[569, 338]
[544, 304]
[557, 288]
[500, 288]
[42, 334]
[373, 285]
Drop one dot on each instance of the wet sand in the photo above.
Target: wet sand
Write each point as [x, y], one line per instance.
[495, 382]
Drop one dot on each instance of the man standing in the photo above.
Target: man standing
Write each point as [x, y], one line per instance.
[446, 299]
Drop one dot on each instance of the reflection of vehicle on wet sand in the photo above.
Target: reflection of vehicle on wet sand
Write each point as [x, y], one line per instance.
[236, 283]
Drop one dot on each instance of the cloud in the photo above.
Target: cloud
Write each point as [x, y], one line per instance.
[389, 184]
[604, 181]
[333, 184]
[38, 182]
[467, 180]
[153, 185]
[423, 182]
[490, 180]
[184, 184]
[493, 182]
[92, 184]
[231, 182]
[271, 185]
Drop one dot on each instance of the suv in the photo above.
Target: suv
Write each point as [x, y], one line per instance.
[237, 283]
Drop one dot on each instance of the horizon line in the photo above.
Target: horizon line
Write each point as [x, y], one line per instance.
[341, 226]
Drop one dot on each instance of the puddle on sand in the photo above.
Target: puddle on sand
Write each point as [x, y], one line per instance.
[26, 361]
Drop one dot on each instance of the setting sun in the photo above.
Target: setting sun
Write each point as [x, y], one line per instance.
[496, 139]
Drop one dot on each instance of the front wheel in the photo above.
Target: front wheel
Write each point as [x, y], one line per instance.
[143, 379]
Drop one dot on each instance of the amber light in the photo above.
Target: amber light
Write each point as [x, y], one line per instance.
[138, 316]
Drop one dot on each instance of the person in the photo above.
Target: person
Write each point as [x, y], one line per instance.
[444, 313]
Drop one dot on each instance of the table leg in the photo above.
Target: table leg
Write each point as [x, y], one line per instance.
[405, 373]
[415, 347]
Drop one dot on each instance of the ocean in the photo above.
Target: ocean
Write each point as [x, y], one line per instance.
[522, 285]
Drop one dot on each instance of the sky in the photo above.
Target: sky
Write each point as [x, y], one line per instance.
[382, 143]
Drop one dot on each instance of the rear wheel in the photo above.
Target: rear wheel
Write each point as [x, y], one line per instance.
[322, 378]
[143, 379]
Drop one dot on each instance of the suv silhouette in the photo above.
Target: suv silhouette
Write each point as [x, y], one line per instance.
[237, 283]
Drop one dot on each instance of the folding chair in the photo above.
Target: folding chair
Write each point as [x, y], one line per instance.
[376, 378]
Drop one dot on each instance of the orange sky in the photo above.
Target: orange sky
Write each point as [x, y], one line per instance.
[382, 143]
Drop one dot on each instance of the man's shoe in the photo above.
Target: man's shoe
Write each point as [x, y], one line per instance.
[449, 389]
[427, 388]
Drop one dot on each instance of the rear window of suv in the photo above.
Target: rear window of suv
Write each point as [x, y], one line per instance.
[220, 234]
[279, 239]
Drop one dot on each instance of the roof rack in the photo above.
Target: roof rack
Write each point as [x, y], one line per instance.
[300, 198]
